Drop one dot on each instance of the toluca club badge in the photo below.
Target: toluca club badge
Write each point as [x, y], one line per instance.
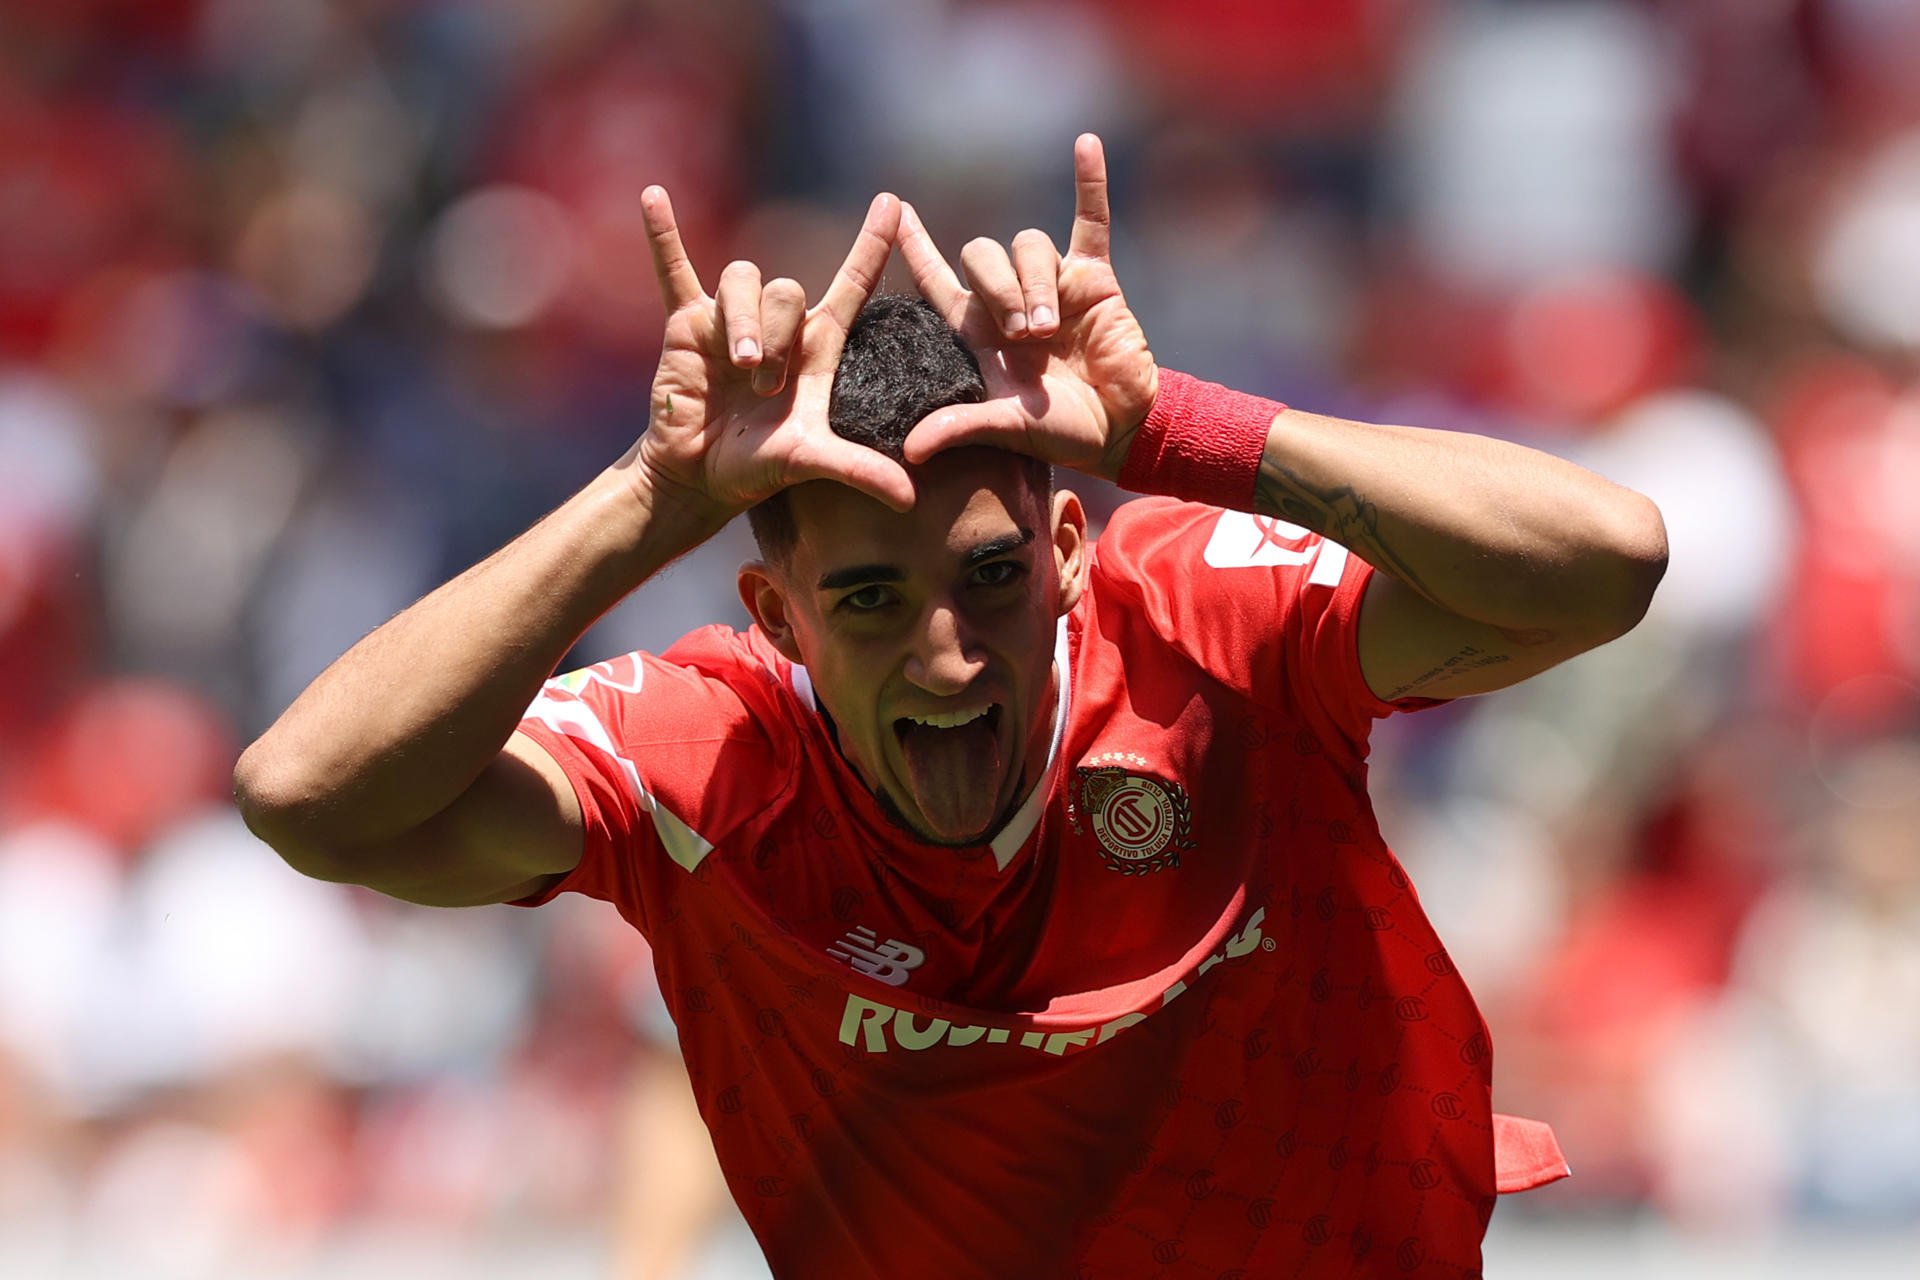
[1142, 821]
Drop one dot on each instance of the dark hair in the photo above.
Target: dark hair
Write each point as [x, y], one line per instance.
[902, 361]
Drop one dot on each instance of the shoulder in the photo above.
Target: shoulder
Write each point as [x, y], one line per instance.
[700, 736]
[1155, 534]
[721, 650]
[740, 663]
[1141, 524]
[1266, 607]
[711, 685]
[1145, 590]
[1149, 539]
[1160, 549]
[1170, 545]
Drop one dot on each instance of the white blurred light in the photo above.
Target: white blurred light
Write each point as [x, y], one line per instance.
[1532, 763]
[454, 987]
[1534, 138]
[47, 474]
[193, 549]
[500, 257]
[174, 1200]
[60, 954]
[240, 957]
[964, 94]
[1722, 1155]
[36, 1235]
[48, 483]
[1867, 266]
[309, 252]
[1713, 472]
[1490, 886]
[355, 135]
[352, 558]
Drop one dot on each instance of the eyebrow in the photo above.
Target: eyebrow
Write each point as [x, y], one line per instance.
[860, 574]
[857, 574]
[999, 547]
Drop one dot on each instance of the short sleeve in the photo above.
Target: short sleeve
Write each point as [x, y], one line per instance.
[666, 755]
[1266, 607]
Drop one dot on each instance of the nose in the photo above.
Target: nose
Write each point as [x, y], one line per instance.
[943, 660]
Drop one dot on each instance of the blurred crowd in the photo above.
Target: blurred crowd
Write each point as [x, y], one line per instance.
[306, 305]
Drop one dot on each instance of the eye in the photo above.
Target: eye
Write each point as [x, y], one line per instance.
[866, 599]
[998, 573]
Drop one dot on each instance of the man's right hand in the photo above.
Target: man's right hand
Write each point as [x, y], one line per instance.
[739, 404]
[400, 768]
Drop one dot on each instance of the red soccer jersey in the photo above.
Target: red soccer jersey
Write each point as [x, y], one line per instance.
[1183, 1017]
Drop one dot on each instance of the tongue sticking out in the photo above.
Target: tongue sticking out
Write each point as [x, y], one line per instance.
[955, 776]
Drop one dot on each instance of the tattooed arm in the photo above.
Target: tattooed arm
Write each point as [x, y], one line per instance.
[1495, 561]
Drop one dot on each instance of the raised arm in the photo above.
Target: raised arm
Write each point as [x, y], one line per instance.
[399, 768]
[1496, 561]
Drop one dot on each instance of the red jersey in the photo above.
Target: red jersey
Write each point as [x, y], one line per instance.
[1183, 1016]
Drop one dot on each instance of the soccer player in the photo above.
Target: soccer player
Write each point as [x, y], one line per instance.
[1018, 900]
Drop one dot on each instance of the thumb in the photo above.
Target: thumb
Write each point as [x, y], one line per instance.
[1006, 423]
[855, 465]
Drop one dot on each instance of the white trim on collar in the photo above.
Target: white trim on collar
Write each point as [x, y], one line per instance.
[803, 685]
[1015, 833]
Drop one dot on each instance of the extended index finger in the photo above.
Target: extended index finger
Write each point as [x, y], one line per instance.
[859, 275]
[932, 274]
[1092, 219]
[679, 282]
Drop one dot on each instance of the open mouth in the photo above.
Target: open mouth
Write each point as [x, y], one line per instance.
[955, 767]
[949, 720]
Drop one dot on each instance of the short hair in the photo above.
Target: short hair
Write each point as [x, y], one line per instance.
[902, 361]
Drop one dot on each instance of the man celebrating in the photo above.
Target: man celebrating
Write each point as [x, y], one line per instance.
[1018, 901]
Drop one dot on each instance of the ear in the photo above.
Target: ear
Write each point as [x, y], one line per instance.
[1070, 560]
[763, 591]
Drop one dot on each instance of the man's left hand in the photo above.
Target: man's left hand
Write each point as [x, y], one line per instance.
[1069, 376]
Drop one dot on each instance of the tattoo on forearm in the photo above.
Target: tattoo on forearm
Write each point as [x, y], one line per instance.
[1343, 514]
[1471, 658]
[1346, 515]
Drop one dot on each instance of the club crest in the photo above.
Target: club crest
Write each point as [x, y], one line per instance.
[1142, 821]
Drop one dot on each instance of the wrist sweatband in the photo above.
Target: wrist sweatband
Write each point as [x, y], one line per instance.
[1201, 442]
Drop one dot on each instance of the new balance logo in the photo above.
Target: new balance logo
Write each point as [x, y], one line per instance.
[889, 961]
[878, 1027]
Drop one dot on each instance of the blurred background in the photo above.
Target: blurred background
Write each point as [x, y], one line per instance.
[305, 305]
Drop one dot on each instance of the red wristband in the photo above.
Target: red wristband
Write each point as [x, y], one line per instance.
[1201, 441]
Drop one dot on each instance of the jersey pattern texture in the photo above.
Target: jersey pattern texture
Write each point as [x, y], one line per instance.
[1184, 1017]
